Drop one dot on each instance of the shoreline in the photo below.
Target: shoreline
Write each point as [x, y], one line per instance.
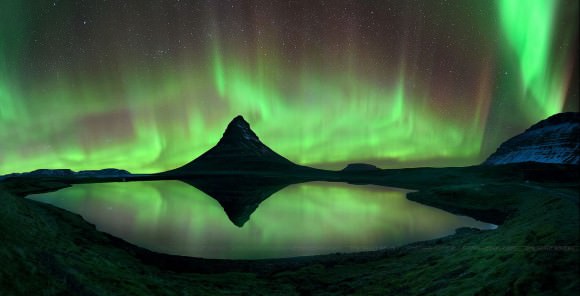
[534, 249]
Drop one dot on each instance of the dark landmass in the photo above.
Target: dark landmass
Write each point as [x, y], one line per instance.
[66, 173]
[552, 140]
[535, 250]
[360, 167]
[239, 150]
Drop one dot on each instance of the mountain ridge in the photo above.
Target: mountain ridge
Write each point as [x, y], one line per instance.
[555, 139]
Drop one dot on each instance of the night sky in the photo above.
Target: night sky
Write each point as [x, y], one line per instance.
[150, 85]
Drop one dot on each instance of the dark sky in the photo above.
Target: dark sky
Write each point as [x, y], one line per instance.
[150, 85]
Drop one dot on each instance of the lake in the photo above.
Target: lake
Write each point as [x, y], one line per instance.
[303, 219]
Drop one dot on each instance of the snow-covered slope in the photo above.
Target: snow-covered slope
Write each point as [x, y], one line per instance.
[553, 140]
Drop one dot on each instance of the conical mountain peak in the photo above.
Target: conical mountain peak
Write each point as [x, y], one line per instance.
[239, 119]
[239, 130]
[238, 150]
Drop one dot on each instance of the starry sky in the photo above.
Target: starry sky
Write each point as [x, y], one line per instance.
[150, 85]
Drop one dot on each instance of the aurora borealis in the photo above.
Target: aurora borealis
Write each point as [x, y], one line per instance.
[150, 86]
[175, 218]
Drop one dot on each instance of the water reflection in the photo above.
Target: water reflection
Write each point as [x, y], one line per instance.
[303, 219]
[239, 195]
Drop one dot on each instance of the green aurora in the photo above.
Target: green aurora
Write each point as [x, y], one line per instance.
[529, 28]
[86, 85]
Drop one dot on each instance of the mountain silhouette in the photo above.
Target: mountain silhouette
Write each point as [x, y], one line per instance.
[239, 150]
[555, 139]
[239, 196]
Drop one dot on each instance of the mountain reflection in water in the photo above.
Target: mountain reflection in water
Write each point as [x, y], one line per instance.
[302, 219]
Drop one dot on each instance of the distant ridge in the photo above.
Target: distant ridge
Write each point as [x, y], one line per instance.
[67, 173]
[360, 167]
[552, 140]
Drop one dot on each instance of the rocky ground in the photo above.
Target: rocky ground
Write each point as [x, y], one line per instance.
[535, 251]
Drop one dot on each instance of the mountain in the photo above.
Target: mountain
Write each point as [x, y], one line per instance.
[553, 140]
[239, 150]
[360, 167]
[67, 173]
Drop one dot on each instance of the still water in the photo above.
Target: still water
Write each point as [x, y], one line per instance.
[304, 219]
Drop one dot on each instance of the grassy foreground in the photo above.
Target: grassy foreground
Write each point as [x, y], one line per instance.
[535, 251]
